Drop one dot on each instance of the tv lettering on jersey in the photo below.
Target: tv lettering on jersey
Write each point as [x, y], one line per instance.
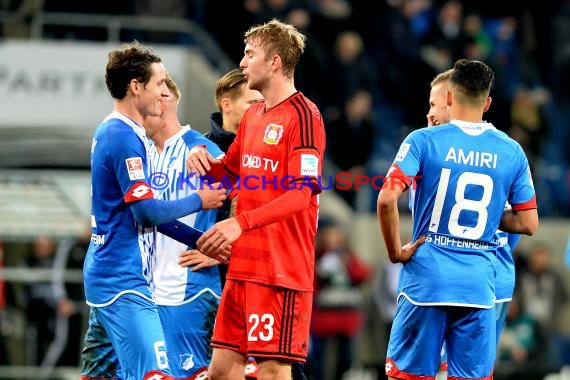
[135, 168]
[256, 162]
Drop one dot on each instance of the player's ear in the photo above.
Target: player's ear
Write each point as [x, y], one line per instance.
[276, 62]
[133, 86]
[449, 98]
[487, 104]
[225, 104]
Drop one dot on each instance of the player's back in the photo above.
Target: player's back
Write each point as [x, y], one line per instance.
[118, 257]
[468, 172]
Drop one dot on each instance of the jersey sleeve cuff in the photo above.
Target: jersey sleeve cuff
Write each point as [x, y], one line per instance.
[531, 204]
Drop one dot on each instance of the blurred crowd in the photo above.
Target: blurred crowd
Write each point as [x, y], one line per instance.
[43, 311]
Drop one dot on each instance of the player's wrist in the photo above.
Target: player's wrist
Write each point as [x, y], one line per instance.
[242, 221]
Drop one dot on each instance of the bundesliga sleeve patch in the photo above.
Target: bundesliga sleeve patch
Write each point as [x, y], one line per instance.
[404, 148]
[135, 168]
[531, 183]
[309, 165]
[138, 191]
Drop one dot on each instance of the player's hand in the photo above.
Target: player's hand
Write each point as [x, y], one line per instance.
[215, 241]
[199, 161]
[196, 259]
[212, 195]
[408, 250]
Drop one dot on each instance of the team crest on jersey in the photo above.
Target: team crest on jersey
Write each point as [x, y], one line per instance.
[186, 361]
[135, 168]
[530, 177]
[273, 133]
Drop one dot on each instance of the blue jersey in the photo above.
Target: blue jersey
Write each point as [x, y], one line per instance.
[120, 254]
[505, 269]
[464, 174]
[173, 284]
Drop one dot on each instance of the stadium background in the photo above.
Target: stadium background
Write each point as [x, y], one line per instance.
[52, 58]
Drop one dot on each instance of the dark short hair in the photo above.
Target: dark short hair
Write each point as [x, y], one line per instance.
[471, 81]
[130, 61]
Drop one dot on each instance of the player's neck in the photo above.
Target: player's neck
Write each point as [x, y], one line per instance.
[129, 110]
[229, 127]
[466, 114]
[277, 91]
[227, 124]
[166, 132]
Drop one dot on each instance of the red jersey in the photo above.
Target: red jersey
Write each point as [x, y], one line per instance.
[276, 150]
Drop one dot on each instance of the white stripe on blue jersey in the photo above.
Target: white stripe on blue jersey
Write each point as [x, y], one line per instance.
[173, 284]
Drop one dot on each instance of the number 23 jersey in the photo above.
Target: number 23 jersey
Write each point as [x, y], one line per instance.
[463, 174]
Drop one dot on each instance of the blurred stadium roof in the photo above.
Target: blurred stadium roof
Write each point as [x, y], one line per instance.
[51, 203]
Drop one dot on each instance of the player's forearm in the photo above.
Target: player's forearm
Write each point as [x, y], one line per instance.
[291, 202]
[152, 212]
[233, 206]
[520, 222]
[389, 221]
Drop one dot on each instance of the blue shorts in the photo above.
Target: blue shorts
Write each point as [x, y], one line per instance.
[188, 329]
[501, 316]
[98, 356]
[417, 337]
[124, 340]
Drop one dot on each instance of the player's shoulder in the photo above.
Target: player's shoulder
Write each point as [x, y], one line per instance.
[299, 100]
[500, 140]
[423, 133]
[107, 124]
[192, 134]
[193, 138]
[115, 134]
[113, 126]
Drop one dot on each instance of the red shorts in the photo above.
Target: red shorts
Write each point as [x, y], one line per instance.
[263, 321]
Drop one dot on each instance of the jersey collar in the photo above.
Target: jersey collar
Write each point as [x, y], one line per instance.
[472, 128]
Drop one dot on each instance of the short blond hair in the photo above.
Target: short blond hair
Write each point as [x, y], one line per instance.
[441, 77]
[173, 87]
[230, 85]
[277, 37]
